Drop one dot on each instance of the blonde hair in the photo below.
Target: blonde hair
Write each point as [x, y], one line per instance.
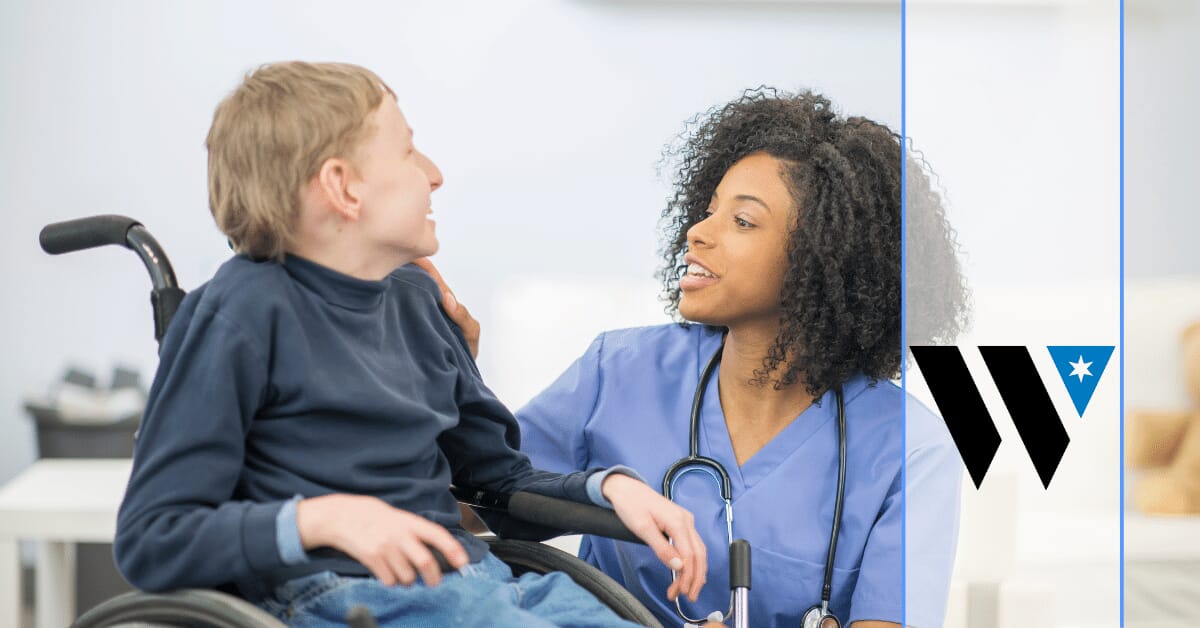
[269, 138]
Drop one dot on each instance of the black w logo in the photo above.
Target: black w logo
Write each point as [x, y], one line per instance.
[967, 417]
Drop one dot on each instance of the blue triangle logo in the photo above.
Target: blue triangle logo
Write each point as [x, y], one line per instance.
[1080, 368]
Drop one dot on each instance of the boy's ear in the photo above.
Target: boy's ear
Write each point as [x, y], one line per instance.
[335, 183]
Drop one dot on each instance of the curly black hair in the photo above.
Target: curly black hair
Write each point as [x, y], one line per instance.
[842, 290]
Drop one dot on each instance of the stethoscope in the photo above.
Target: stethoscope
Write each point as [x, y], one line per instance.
[817, 616]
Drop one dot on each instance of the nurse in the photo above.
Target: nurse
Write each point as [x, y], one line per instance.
[783, 257]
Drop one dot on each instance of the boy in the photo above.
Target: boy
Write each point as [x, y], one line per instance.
[313, 395]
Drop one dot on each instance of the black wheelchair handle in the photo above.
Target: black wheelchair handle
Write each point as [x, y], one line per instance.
[561, 514]
[85, 233]
[571, 517]
[94, 231]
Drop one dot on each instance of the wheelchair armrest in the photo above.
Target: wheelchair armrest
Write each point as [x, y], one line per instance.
[329, 552]
[561, 514]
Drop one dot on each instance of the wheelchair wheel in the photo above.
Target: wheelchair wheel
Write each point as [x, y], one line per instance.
[190, 608]
[202, 608]
[529, 557]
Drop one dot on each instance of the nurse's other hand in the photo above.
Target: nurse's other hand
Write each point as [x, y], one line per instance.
[455, 310]
[649, 515]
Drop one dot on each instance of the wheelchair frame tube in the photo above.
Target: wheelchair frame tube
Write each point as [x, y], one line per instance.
[94, 231]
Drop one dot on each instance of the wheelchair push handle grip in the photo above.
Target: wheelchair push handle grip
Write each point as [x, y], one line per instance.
[85, 233]
[94, 231]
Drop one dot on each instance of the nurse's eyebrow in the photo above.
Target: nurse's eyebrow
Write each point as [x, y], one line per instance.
[752, 199]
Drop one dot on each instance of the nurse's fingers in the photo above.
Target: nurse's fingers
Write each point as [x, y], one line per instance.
[650, 532]
[678, 526]
[455, 310]
[681, 530]
[426, 264]
[700, 558]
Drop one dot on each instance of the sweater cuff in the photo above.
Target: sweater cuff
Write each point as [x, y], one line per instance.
[595, 482]
[287, 534]
[259, 545]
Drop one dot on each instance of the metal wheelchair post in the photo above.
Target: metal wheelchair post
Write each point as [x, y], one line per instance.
[739, 582]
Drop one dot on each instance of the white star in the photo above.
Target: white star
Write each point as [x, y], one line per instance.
[1081, 368]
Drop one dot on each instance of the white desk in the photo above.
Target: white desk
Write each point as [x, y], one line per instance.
[58, 502]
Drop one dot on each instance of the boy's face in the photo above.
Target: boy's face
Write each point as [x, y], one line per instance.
[395, 182]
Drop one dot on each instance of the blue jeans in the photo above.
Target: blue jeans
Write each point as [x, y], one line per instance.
[480, 594]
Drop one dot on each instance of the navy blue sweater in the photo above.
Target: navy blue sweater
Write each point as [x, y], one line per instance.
[278, 380]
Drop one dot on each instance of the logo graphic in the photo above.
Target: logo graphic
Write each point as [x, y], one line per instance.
[1024, 395]
[1080, 369]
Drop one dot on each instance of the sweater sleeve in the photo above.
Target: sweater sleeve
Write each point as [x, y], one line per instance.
[483, 451]
[179, 525]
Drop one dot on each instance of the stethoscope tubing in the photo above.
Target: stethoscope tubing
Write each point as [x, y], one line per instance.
[695, 462]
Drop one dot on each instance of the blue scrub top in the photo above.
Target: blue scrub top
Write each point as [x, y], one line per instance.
[627, 400]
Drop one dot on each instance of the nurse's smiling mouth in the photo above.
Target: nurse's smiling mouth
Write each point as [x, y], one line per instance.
[697, 276]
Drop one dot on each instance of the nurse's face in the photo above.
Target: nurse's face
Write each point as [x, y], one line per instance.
[737, 256]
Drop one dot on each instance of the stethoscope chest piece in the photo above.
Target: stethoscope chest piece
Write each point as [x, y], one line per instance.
[819, 617]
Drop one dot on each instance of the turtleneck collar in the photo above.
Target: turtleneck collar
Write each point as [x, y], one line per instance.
[334, 287]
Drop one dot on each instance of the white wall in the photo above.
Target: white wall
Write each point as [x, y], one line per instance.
[1162, 96]
[1016, 107]
[1163, 292]
[546, 116]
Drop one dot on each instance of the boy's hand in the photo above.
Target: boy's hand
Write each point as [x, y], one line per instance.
[388, 541]
[455, 310]
[648, 515]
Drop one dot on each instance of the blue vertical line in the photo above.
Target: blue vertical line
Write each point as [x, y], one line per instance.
[903, 317]
[1121, 444]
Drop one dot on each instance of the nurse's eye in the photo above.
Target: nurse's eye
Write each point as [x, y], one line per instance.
[743, 223]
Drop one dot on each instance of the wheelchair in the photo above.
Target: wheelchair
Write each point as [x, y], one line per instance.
[217, 609]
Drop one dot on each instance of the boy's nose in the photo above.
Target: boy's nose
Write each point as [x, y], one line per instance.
[433, 172]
